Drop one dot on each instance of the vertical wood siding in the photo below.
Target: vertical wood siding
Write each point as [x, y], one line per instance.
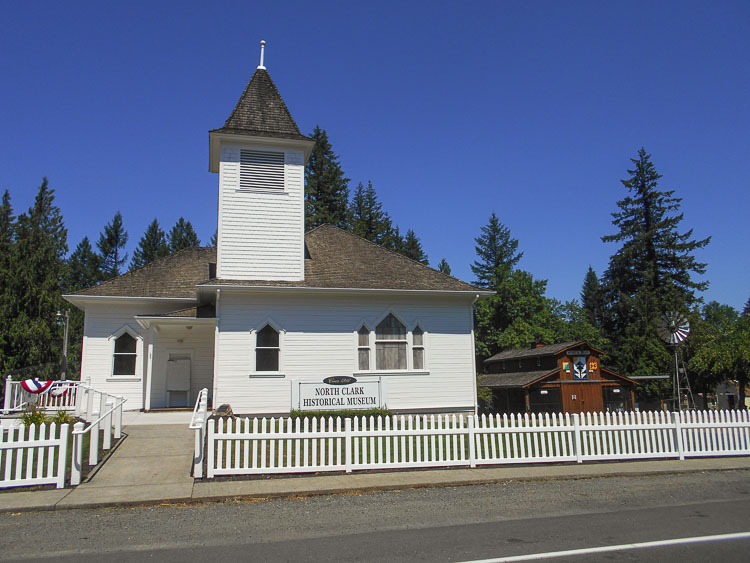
[261, 232]
[320, 340]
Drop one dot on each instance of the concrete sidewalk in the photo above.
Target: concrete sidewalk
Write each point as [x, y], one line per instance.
[137, 477]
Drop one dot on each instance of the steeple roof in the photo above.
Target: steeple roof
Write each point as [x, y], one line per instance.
[261, 112]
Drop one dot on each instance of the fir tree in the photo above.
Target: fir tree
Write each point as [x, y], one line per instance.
[592, 299]
[369, 221]
[497, 253]
[326, 187]
[111, 247]
[152, 246]
[413, 248]
[182, 236]
[214, 238]
[33, 336]
[444, 267]
[7, 232]
[83, 270]
[652, 272]
[746, 308]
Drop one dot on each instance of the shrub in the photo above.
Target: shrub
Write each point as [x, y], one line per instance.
[33, 415]
[61, 417]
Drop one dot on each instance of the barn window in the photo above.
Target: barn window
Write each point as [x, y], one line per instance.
[124, 355]
[363, 348]
[267, 349]
[390, 344]
[261, 170]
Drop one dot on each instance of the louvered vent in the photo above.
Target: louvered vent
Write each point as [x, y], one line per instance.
[261, 170]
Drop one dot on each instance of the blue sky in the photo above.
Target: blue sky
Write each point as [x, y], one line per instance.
[453, 110]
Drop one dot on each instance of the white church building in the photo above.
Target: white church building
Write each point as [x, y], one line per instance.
[275, 319]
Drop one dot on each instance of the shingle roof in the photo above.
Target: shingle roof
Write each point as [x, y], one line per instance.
[201, 312]
[518, 379]
[173, 276]
[547, 350]
[337, 259]
[261, 111]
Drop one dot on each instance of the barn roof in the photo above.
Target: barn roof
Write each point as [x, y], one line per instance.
[517, 379]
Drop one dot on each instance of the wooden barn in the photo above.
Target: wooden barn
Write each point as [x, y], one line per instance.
[565, 377]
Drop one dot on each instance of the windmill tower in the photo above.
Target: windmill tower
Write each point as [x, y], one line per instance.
[674, 328]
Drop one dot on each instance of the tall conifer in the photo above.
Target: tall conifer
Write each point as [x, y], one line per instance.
[592, 299]
[326, 187]
[111, 247]
[497, 253]
[369, 221]
[651, 273]
[444, 267]
[412, 248]
[182, 236]
[152, 246]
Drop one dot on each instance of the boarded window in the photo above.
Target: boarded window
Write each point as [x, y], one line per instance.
[267, 349]
[390, 344]
[363, 351]
[125, 355]
[261, 170]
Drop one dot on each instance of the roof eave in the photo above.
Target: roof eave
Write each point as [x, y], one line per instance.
[217, 137]
[343, 290]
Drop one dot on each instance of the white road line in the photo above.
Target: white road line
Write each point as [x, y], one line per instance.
[625, 546]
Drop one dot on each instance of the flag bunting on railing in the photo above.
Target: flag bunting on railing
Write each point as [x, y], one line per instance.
[35, 386]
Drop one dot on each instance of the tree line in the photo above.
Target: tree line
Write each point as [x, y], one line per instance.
[652, 271]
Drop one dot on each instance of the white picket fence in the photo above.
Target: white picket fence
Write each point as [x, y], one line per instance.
[36, 455]
[283, 445]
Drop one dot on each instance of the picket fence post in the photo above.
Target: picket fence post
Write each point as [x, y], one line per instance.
[577, 438]
[472, 443]
[348, 444]
[210, 446]
[62, 454]
[77, 457]
[198, 456]
[676, 420]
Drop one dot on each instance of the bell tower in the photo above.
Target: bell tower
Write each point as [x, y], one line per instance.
[260, 157]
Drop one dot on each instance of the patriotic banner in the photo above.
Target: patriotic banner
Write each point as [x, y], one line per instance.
[35, 386]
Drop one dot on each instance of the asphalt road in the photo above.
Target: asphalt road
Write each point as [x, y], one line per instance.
[448, 524]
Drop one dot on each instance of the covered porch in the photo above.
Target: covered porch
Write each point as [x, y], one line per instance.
[179, 357]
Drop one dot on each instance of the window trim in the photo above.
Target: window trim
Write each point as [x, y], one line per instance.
[138, 352]
[372, 342]
[254, 357]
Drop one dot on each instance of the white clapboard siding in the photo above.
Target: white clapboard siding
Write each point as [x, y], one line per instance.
[36, 455]
[286, 445]
[101, 322]
[319, 340]
[261, 214]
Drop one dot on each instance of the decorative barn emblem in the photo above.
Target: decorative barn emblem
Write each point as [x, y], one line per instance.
[579, 368]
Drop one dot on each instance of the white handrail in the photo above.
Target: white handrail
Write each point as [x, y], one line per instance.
[198, 423]
[110, 407]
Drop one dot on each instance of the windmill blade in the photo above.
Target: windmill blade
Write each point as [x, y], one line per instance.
[673, 328]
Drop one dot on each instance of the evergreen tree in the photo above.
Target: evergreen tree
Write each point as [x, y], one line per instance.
[369, 221]
[413, 248]
[83, 270]
[7, 232]
[33, 336]
[182, 236]
[326, 187]
[651, 273]
[152, 246]
[214, 238]
[444, 267]
[497, 253]
[84, 267]
[592, 298]
[746, 308]
[111, 247]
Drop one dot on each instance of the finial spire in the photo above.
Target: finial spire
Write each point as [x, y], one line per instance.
[262, 48]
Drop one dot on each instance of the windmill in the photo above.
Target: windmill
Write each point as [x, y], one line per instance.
[673, 328]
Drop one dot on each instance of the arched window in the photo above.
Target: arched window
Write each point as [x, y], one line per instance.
[125, 355]
[267, 349]
[363, 349]
[390, 344]
[417, 348]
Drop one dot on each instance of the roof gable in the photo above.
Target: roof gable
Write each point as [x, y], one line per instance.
[261, 111]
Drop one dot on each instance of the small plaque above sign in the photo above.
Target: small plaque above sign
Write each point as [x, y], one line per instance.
[572, 353]
[340, 380]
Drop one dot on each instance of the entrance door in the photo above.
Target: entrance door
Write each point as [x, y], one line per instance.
[581, 397]
[178, 380]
